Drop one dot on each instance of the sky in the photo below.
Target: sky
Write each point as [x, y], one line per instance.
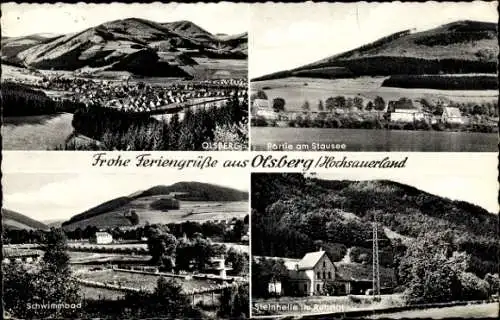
[473, 187]
[59, 196]
[284, 36]
[25, 19]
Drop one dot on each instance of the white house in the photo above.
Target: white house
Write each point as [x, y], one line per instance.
[407, 115]
[101, 238]
[311, 275]
[262, 103]
[452, 115]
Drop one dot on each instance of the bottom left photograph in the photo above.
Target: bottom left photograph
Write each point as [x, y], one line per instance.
[104, 245]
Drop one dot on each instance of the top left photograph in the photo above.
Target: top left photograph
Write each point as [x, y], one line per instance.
[127, 77]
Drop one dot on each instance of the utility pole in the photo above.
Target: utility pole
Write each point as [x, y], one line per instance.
[375, 259]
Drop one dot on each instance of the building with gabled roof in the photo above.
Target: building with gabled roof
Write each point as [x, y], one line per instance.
[452, 115]
[311, 275]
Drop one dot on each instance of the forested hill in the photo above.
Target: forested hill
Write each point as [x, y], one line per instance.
[15, 220]
[457, 47]
[291, 214]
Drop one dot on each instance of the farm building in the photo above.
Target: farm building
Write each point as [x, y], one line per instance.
[452, 115]
[261, 103]
[407, 115]
[101, 238]
[311, 274]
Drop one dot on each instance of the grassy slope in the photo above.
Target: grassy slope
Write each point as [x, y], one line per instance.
[467, 41]
[112, 213]
[15, 220]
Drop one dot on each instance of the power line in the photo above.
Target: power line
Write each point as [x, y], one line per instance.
[375, 259]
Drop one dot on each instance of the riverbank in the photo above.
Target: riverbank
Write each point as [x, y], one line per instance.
[375, 122]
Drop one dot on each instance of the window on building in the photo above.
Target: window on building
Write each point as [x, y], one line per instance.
[324, 264]
[324, 275]
[329, 275]
[318, 287]
[318, 275]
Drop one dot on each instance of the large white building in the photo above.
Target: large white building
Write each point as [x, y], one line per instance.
[407, 115]
[101, 238]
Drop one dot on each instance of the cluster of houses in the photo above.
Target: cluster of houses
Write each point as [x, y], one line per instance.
[315, 271]
[451, 115]
[140, 97]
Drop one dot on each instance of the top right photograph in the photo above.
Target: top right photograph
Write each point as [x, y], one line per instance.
[374, 77]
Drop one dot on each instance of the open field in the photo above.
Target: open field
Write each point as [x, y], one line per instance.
[221, 68]
[296, 90]
[199, 211]
[488, 310]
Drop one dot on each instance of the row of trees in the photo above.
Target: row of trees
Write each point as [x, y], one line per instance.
[20, 100]
[442, 82]
[389, 65]
[119, 131]
[209, 229]
[379, 104]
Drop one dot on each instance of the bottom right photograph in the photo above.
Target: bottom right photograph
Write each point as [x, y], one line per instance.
[326, 246]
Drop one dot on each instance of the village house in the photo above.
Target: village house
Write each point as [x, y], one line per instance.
[262, 108]
[315, 271]
[452, 115]
[101, 238]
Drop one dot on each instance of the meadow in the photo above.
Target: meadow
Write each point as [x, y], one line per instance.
[196, 211]
[296, 91]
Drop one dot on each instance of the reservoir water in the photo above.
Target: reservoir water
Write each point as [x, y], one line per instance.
[373, 140]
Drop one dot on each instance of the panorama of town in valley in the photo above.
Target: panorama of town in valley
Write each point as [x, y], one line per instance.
[368, 249]
[175, 251]
[416, 89]
[125, 84]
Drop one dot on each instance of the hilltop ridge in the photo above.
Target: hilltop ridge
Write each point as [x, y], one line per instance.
[463, 46]
[133, 44]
